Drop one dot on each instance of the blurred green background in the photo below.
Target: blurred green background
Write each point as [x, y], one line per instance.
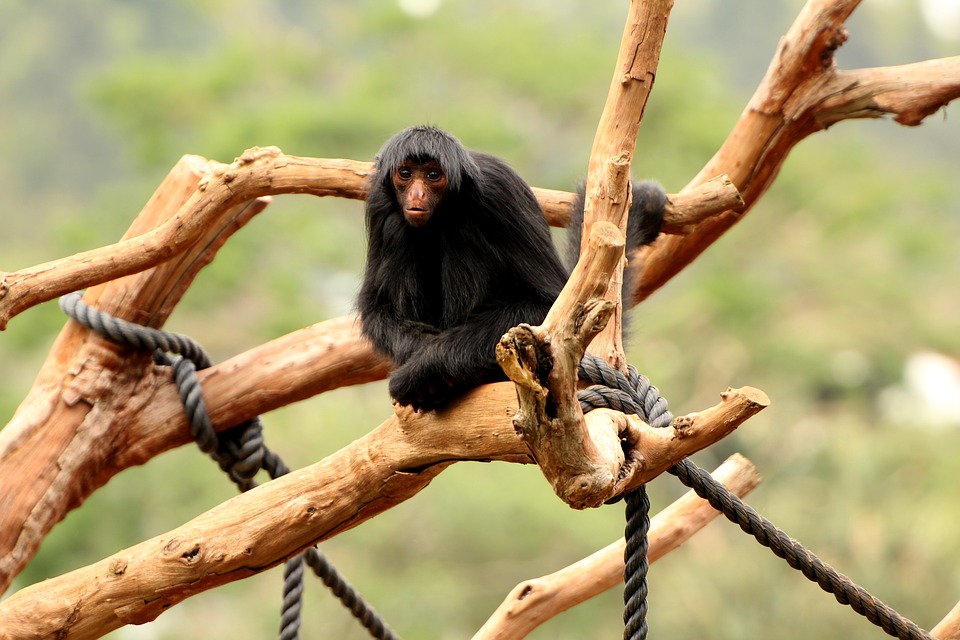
[826, 296]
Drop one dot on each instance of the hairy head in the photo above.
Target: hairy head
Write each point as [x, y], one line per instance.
[423, 143]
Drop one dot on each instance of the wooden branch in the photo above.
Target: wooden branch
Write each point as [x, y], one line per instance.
[107, 410]
[802, 93]
[585, 464]
[682, 210]
[608, 177]
[258, 172]
[654, 450]
[543, 360]
[261, 173]
[90, 397]
[584, 460]
[533, 602]
[949, 627]
[84, 390]
[259, 529]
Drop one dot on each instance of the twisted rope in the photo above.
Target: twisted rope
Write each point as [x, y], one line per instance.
[628, 394]
[239, 451]
[635, 391]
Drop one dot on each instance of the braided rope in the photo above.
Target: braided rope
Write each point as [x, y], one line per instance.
[636, 564]
[633, 394]
[239, 451]
[636, 391]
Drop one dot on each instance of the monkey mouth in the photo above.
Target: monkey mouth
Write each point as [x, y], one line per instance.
[416, 217]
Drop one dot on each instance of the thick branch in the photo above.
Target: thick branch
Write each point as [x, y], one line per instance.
[584, 460]
[258, 173]
[97, 417]
[608, 176]
[88, 402]
[260, 528]
[533, 602]
[85, 389]
[802, 93]
[543, 362]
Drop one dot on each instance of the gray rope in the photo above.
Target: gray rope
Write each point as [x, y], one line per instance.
[636, 391]
[239, 451]
[633, 394]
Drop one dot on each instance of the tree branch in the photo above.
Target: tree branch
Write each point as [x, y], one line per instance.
[802, 93]
[259, 529]
[533, 602]
[260, 173]
[608, 191]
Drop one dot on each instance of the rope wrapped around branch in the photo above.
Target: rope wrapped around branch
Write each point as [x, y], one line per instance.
[239, 451]
[634, 394]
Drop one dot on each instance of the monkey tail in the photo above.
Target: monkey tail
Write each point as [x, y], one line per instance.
[643, 224]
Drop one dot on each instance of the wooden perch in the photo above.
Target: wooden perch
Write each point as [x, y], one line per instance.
[259, 529]
[543, 360]
[608, 191]
[683, 210]
[585, 460]
[533, 602]
[261, 172]
[587, 465]
[88, 404]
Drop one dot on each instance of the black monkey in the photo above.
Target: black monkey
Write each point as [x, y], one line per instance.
[458, 253]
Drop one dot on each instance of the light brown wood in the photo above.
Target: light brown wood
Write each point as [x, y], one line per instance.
[608, 192]
[949, 627]
[543, 360]
[802, 93]
[533, 602]
[259, 173]
[259, 529]
[70, 433]
[584, 459]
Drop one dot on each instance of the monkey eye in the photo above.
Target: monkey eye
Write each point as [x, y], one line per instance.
[405, 172]
[434, 174]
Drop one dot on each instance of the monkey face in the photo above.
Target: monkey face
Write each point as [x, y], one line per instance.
[420, 187]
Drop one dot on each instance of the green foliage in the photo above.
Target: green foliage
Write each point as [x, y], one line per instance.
[846, 267]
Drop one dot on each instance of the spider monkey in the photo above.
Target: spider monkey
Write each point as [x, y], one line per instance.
[458, 253]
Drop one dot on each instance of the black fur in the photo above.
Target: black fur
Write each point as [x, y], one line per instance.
[643, 225]
[437, 299]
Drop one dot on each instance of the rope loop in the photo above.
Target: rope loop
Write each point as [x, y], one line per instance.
[239, 451]
[635, 392]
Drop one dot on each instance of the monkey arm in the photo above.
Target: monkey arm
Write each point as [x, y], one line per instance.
[461, 357]
[394, 336]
